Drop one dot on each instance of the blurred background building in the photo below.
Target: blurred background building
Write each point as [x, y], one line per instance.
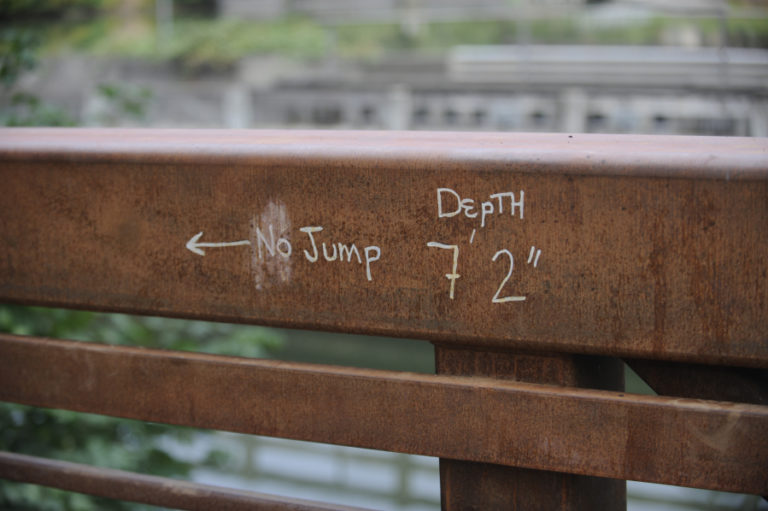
[697, 67]
[621, 66]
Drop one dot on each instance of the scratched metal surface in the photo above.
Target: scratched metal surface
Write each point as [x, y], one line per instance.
[696, 443]
[471, 485]
[650, 247]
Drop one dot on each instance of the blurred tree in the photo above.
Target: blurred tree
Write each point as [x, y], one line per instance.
[18, 55]
[121, 101]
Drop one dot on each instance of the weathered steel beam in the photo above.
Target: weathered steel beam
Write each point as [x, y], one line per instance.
[738, 384]
[646, 247]
[590, 432]
[469, 485]
[153, 490]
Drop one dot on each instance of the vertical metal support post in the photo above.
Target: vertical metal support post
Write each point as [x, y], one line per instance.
[467, 485]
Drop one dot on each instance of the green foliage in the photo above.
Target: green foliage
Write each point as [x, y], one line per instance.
[193, 43]
[196, 44]
[83, 438]
[445, 35]
[122, 101]
[39, 9]
[18, 50]
[195, 8]
[747, 32]
[17, 54]
[215, 45]
[105, 441]
[150, 332]
[87, 37]
[27, 110]
[220, 43]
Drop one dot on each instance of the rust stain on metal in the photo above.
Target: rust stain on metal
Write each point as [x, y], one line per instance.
[158, 491]
[542, 427]
[628, 246]
[469, 485]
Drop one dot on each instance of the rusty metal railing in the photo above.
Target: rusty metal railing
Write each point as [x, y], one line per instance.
[531, 262]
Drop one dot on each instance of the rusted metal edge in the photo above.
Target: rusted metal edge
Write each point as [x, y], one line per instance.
[153, 490]
[729, 158]
[470, 247]
[739, 384]
[674, 441]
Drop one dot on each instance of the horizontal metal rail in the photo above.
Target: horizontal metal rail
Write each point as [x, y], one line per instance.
[153, 490]
[644, 247]
[695, 443]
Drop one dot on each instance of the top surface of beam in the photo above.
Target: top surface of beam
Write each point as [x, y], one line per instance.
[640, 246]
[640, 155]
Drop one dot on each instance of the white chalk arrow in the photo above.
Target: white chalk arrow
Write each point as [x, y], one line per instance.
[194, 246]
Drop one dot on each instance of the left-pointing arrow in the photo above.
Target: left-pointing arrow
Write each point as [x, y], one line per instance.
[194, 245]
